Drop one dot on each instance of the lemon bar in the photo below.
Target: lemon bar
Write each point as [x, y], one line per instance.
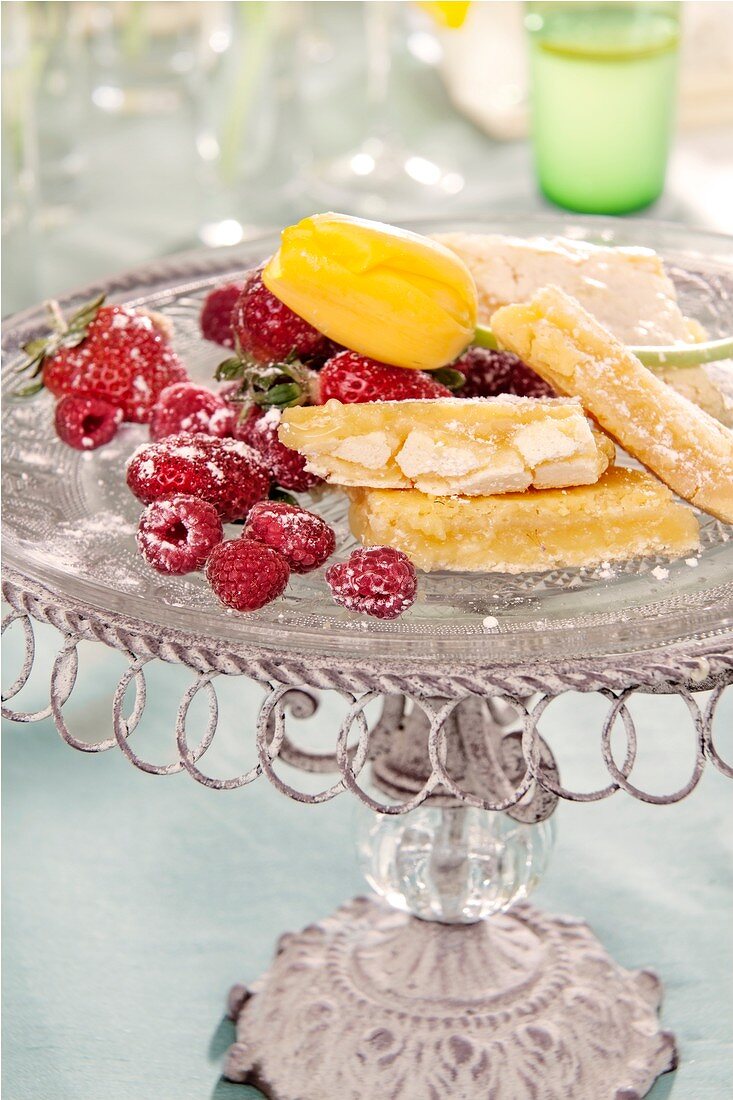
[626, 289]
[627, 514]
[675, 439]
[448, 445]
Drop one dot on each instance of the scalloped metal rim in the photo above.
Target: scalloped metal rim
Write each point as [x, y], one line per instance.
[700, 664]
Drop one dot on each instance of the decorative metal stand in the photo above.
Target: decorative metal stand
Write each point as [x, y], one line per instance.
[372, 1002]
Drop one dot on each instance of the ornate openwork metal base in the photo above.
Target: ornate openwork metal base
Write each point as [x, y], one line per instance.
[371, 1003]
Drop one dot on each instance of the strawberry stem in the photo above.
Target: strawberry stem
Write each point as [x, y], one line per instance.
[63, 334]
[59, 321]
[267, 384]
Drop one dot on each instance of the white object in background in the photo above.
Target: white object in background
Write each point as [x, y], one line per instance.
[706, 64]
[485, 68]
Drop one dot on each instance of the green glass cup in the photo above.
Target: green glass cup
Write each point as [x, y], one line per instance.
[603, 78]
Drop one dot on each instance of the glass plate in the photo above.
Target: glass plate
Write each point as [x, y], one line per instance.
[69, 520]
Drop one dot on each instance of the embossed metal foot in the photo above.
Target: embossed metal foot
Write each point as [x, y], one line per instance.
[372, 1003]
[238, 994]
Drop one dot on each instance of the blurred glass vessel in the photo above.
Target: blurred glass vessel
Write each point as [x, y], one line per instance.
[603, 79]
[389, 170]
[59, 85]
[142, 54]
[248, 129]
[19, 160]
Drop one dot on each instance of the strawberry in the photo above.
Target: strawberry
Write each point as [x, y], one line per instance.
[268, 330]
[119, 355]
[216, 314]
[353, 378]
[286, 466]
[225, 472]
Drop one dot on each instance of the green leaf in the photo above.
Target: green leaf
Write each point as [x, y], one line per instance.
[276, 493]
[230, 368]
[298, 371]
[283, 395]
[72, 338]
[36, 367]
[30, 390]
[263, 380]
[33, 365]
[449, 376]
[36, 347]
[86, 313]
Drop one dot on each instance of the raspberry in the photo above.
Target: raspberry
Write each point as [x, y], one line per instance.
[225, 472]
[489, 373]
[216, 314]
[186, 407]
[286, 466]
[268, 329]
[120, 355]
[353, 378]
[177, 535]
[86, 422]
[379, 581]
[303, 538]
[246, 575]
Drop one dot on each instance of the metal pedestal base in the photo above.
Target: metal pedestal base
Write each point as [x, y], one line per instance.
[371, 1003]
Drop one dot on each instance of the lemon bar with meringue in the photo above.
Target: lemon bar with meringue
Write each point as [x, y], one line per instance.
[626, 514]
[679, 442]
[626, 289]
[449, 446]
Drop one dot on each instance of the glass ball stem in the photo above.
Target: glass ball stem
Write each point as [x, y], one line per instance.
[453, 864]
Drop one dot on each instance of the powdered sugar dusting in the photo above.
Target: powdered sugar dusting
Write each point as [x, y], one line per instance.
[226, 473]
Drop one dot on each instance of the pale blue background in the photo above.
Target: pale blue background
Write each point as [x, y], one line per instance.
[131, 902]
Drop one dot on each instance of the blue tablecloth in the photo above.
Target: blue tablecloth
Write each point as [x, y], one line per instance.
[132, 902]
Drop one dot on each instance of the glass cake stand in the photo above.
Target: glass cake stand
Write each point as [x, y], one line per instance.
[445, 980]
